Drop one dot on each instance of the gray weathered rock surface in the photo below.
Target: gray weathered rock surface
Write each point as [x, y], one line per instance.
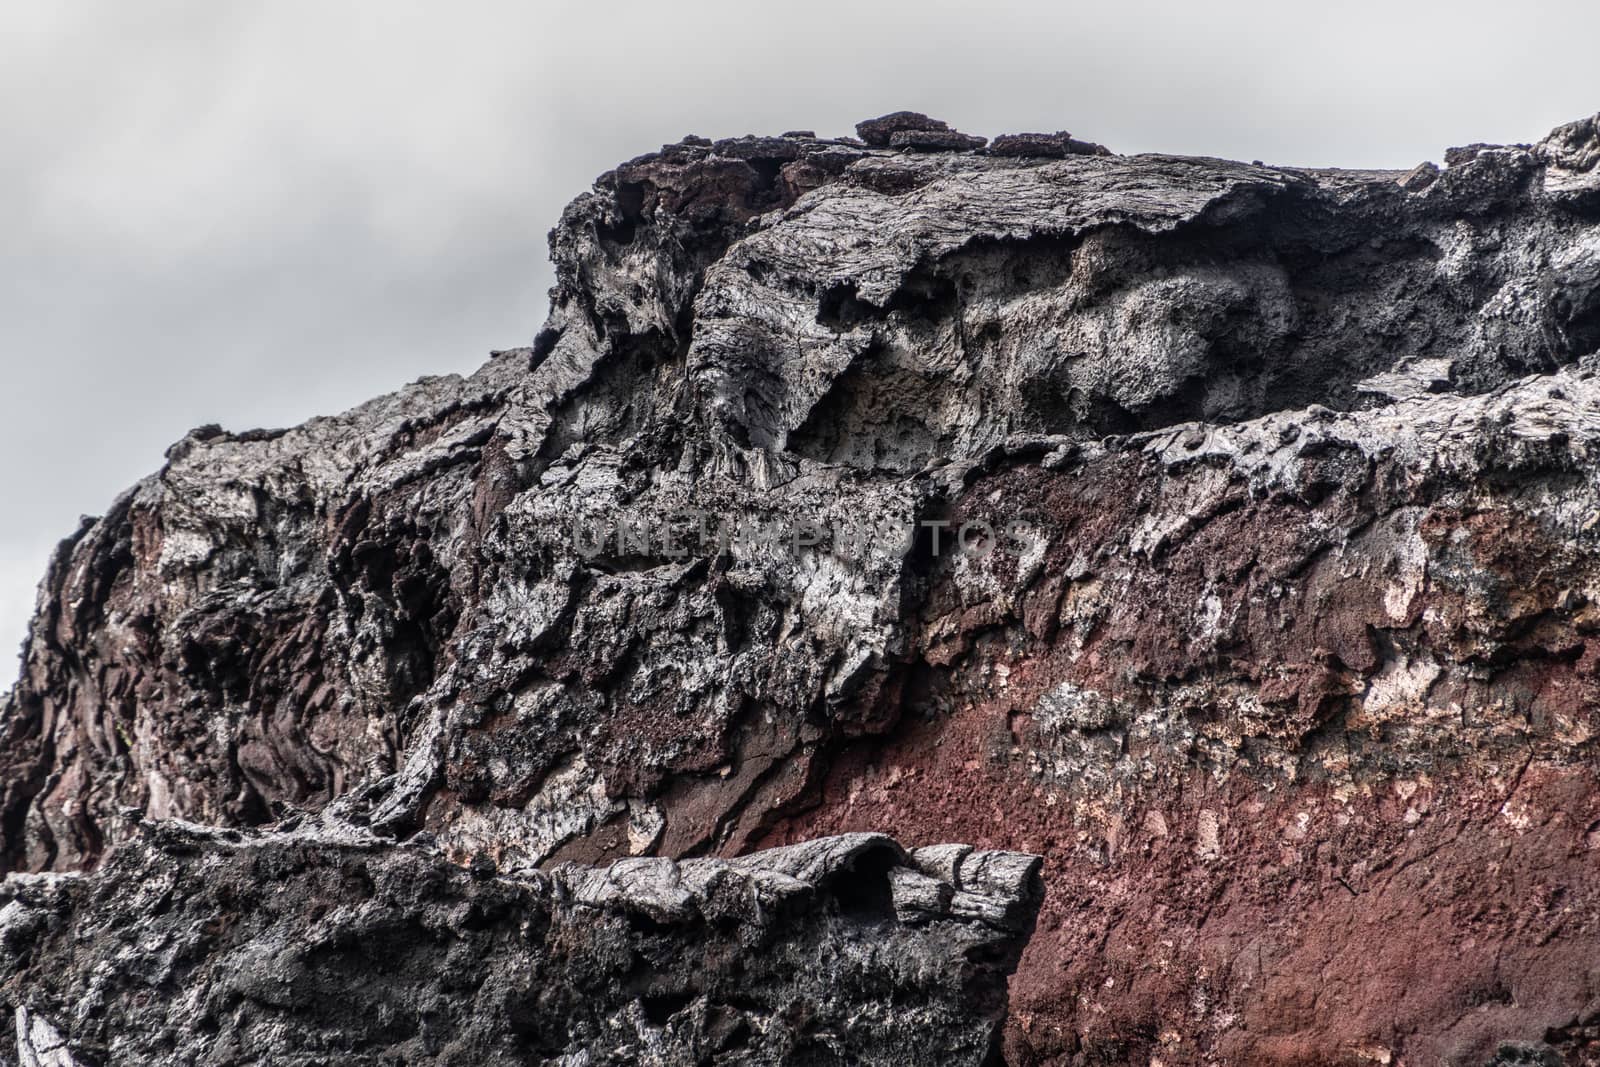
[321, 945]
[1285, 655]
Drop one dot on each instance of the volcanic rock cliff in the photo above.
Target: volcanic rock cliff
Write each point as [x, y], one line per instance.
[1226, 534]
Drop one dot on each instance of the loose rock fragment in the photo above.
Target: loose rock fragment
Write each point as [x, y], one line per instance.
[880, 131]
[935, 140]
[1044, 146]
[1419, 177]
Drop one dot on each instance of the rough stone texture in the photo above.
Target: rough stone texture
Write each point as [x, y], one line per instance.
[1058, 145]
[935, 140]
[1285, 656]
[879, 132]
[325, 944]
[1420, 177]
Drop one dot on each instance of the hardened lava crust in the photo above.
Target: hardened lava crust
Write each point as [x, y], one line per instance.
[1233, 545]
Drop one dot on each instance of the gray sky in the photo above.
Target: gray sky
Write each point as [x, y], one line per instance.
[250, 213]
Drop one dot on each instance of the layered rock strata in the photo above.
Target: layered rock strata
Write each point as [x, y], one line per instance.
[1224, 533]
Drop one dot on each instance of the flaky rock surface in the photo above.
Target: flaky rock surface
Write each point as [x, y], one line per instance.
[1284, 651]
[321, 944]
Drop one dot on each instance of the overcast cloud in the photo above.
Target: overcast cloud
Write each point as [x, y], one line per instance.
[250, 212]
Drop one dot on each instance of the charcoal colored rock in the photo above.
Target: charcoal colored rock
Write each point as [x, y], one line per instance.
[879, 132]
[1032, 145]
[322, 943]
[935, 140]
[1044, 146]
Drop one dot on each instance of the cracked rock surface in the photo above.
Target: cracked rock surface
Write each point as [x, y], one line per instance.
[319, 945]
[1228, 535]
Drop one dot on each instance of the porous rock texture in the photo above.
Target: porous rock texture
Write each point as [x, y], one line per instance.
[327, 944]
[1277, 633]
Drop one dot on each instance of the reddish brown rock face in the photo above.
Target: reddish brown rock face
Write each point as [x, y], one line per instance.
[1314, 771]
[1274, 628]
[1233, 924]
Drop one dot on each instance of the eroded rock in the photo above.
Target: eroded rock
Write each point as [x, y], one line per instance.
[1281, 652]
[1057, 145]
[879, 132]
[193, 945]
